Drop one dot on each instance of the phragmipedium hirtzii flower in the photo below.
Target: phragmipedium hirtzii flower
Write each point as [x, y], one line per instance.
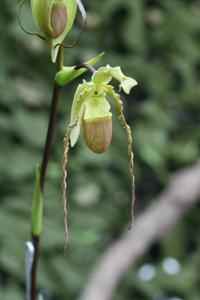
[91, 114]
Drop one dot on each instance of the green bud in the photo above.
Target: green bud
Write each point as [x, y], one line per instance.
[54, 19]
[37, 207]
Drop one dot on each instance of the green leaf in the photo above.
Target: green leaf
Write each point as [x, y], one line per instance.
[68, 74]
[37, 208]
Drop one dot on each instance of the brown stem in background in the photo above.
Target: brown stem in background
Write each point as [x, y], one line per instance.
[44, 164]
[182, 192]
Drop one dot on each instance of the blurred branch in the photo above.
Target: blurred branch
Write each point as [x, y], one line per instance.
[182, 192]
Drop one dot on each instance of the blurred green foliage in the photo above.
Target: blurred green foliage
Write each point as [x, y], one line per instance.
[156, 42]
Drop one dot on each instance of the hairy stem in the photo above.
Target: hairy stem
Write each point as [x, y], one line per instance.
[131, 162]
[66, 143]
[64, 184]
[44, 164]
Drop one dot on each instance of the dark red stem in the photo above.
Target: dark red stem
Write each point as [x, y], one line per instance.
[44, 164]
[86, 66]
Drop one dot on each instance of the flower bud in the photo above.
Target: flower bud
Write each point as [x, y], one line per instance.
[54, 19]
[97, 133]
[37, 208]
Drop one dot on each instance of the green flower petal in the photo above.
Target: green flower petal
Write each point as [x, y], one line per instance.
[126, 83]
[75, 132]
[83, 91]
[105, 74]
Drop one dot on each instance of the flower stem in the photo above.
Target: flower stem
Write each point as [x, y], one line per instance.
[86, 66]
[50, 134]
[44, 164]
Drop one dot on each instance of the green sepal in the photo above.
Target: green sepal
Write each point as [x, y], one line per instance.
[102, 75]
[68, 74]
[37, 206]
[41, 12]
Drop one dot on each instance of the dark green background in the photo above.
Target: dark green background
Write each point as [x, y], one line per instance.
[157, 43]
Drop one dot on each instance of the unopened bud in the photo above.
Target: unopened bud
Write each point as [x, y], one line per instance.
[97, 133]
[54, 19]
